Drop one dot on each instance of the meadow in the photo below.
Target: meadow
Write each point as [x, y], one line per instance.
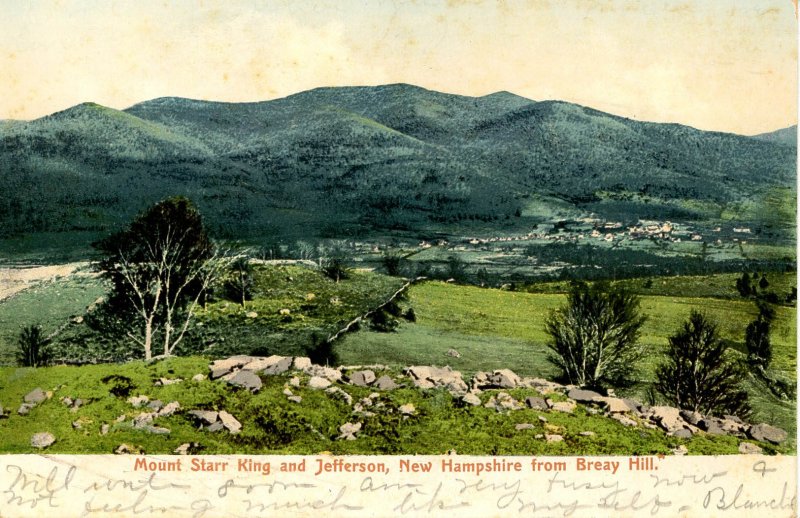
[489, 329]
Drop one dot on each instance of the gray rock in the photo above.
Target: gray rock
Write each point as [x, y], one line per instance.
[295, 382]
[544, 386]
[42, 440]
[587, 434]
[667, 418]
[199, 377]
[536, 403]
[748, 448]
[229, 422]
[712, 426]
[168, 381]
[25, 408]
[524, 426]
[767, 433]
[542, 419]
[453, 353]
[328, 373]
[633, 404]
[295, 399]
[471, 399]
[246, 379]
[583, 396]
[35, 396]
[221, 367]
[184, 448]
[614, 405]
[123, 449]
[143, 419]
[169, 409]
[385, 383]
[318, 383]
[279, 366]
[155, 405]
[504, 378]
[348, 431]
[104, 429]
[138, 401]
[287, 392]
[77, 425]
[683, 433]
[680, 451]
[301, 363]
[362, 378]
[67, 401]
[215, 427]
[553, 438]
[691, 417]
[407, 409]
[204, 416]
[566, 407]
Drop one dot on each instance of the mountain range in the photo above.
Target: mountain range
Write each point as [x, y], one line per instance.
[374, 159]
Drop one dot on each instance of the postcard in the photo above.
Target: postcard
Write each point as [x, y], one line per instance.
[398, 258]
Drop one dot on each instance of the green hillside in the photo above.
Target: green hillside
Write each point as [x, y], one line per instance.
[361, 161]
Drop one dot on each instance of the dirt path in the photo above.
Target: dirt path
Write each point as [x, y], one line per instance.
[14, 280]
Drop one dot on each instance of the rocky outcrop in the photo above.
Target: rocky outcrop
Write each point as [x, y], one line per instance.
[248, 372]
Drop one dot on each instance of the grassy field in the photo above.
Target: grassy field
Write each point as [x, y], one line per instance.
[48, 304]
[490, 329]
[272, 424]
[495, 329]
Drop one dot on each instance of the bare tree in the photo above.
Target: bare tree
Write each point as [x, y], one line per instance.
[160, 267]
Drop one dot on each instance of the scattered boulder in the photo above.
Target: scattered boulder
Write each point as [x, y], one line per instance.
[295, 382]
[407, 409]
[328, 373]
[766, 433]
[318, 383]
[215, 427]
[143, 419]
[229, 422]
[553, 438]
[104, 429]
[536, 403]
[348, 431]
[614, 405]
[587, 434]
[584, 396]
[138, 401]
[287, 392]
[524, 426]
[301, 363]
[504, 378]
[167, 381]
[246, 379]
[566, 407]
[42, 440]
[683, 433]
[667, 418]
[711, 426]
[155, 430]
[362, 378]
[206, 417]
[680, 450]
[169, 409]
[471, 399]
[295, 399]
[429, 377]
[187, 448]
[35, 396]
[221, 367]
[691, 417]
[199, 377]
[124, 449]
[543, 386]
[385, 383]
[453, 353]
[748, 448]
[25, 408]
[155, 405]
[251, 314]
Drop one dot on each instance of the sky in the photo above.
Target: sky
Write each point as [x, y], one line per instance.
[725, 65]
